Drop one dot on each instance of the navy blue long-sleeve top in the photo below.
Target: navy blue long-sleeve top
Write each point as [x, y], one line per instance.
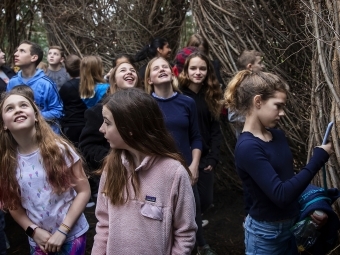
[180, 117]
[266, 168]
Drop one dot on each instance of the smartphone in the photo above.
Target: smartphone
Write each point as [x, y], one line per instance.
[328, 131]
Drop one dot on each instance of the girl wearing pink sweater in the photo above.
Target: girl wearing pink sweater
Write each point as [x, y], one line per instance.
[145, 203]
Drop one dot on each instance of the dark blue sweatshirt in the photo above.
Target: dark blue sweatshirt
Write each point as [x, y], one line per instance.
[180, 117]
[266, 168]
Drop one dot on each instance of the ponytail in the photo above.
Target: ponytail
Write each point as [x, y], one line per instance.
[246, 84]
[231, 93]
[150, 50]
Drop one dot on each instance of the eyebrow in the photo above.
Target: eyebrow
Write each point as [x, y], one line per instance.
[20, 102]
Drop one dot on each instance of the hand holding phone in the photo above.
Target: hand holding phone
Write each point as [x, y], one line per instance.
[327, 146]
[328, 131]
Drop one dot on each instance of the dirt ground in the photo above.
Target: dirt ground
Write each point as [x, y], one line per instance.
[224, 232]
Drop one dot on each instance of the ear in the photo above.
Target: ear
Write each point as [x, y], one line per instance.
[34, 58]
[249, 66]
[257, 101]
[62, 59]
[149, 81]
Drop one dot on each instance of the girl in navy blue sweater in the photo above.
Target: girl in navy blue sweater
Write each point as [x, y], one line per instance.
[265, 163]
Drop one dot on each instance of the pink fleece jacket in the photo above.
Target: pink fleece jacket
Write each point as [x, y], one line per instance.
[160, 222]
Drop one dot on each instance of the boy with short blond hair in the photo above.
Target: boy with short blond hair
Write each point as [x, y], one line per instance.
[56, 70]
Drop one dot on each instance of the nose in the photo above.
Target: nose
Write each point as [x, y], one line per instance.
[282, 113]
[101, 129]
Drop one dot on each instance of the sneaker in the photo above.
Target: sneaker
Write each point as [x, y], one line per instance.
[205, 250]
[91, 203]
[204, 223]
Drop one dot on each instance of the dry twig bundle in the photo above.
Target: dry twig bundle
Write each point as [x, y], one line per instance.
[275, 28]
[108, 27]
[322, 20]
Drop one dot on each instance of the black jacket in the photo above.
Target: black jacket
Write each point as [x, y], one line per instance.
[10, 73]
[92, 144]
[209, 129]
[73, 105]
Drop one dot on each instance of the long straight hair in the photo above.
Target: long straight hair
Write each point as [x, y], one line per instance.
[53, 155]
[91, 73]
[140, 123]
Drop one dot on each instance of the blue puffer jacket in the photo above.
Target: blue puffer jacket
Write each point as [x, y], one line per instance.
[46, 95]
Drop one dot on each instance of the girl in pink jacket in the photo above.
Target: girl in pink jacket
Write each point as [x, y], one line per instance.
[145, 203]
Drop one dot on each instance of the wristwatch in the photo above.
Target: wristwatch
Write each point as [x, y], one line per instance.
[30, 230]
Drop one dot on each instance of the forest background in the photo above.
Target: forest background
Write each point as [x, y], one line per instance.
[300, 40]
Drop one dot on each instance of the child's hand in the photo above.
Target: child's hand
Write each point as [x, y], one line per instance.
[55, 242]
[328, 147]
[41, 236]
[194, 173]
[319, 219]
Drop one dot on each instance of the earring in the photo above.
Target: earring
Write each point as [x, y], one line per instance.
[5, 128]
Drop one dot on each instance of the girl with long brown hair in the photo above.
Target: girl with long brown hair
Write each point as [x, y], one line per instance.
[198, 81]
[181, 120]
[42, 182]
[145, 203]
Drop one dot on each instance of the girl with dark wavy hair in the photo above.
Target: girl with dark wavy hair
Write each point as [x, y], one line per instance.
[198, 81]
[145, 203]
[42, 182]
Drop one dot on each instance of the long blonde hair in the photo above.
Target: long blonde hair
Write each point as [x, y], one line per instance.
[149, 88]
[58, 173]
[246, 84]
[91, 73]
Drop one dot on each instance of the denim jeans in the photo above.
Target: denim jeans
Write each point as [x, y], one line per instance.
[2, 234]
[269, 238]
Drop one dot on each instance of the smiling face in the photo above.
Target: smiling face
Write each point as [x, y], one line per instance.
[126, 76]
[54, 57]
[269, 112]
[110, 131]
[197, 71]
[160, 72]
[18, 114]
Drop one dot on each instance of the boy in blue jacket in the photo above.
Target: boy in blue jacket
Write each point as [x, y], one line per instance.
[27, 56]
